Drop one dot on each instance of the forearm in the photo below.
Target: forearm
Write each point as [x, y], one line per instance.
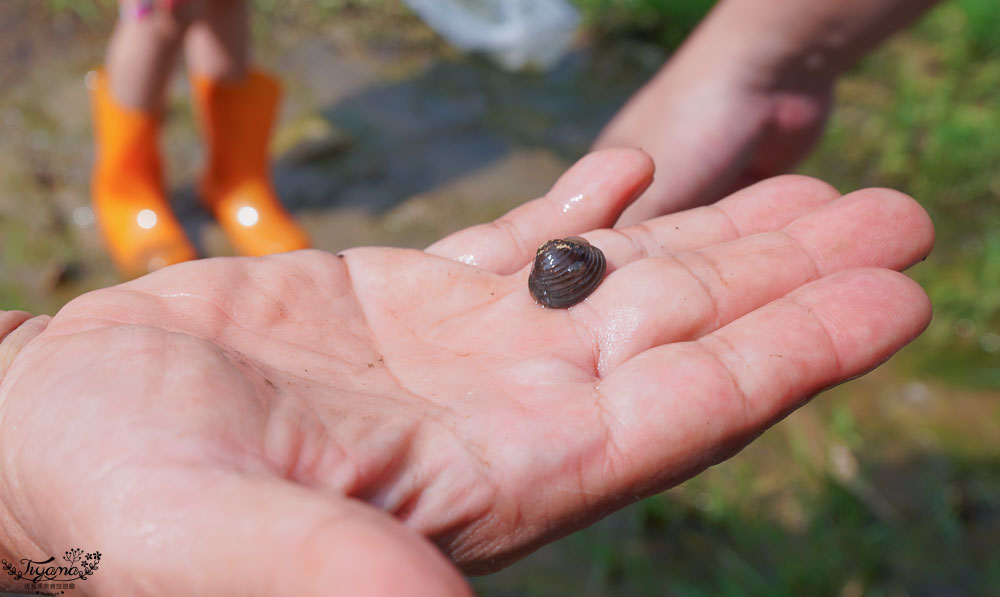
[747, 94]
[776, 41]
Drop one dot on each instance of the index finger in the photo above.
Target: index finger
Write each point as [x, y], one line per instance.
[590, 195]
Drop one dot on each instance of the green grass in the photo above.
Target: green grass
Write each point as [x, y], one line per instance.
[93, 11]
[982, 22]
[666, 22]
[89, 11]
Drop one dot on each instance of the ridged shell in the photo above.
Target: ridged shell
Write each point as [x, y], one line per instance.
[566, 271]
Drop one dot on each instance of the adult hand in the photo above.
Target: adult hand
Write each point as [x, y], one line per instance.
[310, 423]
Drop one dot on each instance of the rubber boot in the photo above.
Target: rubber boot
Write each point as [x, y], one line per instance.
[139, 228]
[236, 119]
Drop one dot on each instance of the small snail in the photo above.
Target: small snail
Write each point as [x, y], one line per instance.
[566, 271]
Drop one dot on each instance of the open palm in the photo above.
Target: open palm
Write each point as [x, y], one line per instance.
[302, 424]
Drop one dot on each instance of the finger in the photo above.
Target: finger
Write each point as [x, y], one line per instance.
[589, 195]
[17, 328]
[681, 407]
[687, 295]
[763, 207]
[766, 206]
[264, 536]
[10, 320]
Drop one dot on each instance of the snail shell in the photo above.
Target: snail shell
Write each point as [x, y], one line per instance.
[566, 271]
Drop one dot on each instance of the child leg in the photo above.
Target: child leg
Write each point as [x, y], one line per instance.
[142, 51]
[236, 106]
[217, 44]
[138, 226]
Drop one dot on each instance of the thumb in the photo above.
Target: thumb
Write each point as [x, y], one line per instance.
[17, 328]
[228, 534]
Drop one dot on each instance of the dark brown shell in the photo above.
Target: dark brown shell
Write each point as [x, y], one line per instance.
[566, 271]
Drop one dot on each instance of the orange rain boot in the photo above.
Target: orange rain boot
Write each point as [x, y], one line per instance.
[236, 119]
[139, 229]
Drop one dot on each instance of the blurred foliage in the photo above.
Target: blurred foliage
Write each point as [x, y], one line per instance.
[92, 11]
[89, 11]
[324, 7]
[982, 27]
[666, 22]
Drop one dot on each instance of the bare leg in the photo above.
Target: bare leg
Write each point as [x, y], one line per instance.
[139, 228]
[141, 54]
[237, 107]
[217, 45]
